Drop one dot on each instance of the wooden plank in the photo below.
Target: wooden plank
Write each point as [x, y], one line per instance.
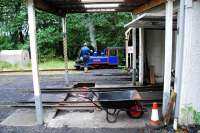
[152, 74]
[170, 107]
[149, 5]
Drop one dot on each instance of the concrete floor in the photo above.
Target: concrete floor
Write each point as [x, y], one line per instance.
[13, 85]
[96, 119]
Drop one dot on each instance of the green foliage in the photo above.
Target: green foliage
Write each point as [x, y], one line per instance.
[48, 38]
[55, 64]
[188, 111]
[109, 29]
[4, 65]
[196, 117]
[5, 42]
[7, 66]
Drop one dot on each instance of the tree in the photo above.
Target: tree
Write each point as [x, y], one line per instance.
[109, 30]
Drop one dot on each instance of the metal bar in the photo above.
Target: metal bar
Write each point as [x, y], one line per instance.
[112, 74]
[74, 106]
[79, 91]
[34, 61]
[43, 70]
[53, 102]
[109, 88]
[79, 102]
[50, 106]
[56, 105]
[168, 54]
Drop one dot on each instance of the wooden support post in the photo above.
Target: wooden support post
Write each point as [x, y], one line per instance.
[127, 33]
[34, 61]
[179, 60]
[141, 56]
[126, 46]
[64, 27]
[134, 55]
[168, 53]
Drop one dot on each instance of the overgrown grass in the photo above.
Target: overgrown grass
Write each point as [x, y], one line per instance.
[50, 64]
[7, 66]
[55, 64]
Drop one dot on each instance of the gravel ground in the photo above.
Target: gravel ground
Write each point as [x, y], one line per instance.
[12, 85]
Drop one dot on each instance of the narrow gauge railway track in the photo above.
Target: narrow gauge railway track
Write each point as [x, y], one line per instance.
[45, 70]
[148, 93]
[101, 89]
[147, 99]
[68, 104]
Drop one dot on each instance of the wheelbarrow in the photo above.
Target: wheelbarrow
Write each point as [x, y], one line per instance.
[118, 101]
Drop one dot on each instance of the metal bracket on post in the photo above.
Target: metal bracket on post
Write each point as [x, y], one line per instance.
[65, 50]
[34, 62]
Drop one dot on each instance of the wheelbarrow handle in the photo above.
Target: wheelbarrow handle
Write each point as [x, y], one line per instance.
[99, 107]
[93, 92]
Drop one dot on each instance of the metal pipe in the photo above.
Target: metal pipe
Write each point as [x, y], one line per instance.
[34, 61]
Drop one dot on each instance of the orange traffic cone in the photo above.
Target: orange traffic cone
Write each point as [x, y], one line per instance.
[154, 115]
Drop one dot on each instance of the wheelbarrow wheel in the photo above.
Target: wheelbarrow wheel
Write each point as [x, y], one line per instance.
[135, 111]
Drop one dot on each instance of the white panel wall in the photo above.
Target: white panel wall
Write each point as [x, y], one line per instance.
[154, 43]
[154, 47]
[20, 57]
[190, 83]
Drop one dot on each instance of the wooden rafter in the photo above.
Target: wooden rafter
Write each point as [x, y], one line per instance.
[149, 5]
[41, 5]
[61, 7]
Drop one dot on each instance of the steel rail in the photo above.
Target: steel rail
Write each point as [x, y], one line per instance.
[64, 105]
[43, 70]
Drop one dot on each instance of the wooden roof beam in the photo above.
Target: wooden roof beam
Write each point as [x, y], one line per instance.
[41, 5]
[148, 5]
[97, 10]
[95, 1]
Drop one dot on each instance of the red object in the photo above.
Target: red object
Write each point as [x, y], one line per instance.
[155, 105]
[84, 90]
[136, 111]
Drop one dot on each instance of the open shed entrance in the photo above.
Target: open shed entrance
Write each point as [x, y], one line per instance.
[61, 8]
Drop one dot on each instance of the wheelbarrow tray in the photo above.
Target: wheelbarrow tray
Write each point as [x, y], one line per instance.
[118, 99]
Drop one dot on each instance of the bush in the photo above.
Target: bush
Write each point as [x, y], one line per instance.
[5, 43]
